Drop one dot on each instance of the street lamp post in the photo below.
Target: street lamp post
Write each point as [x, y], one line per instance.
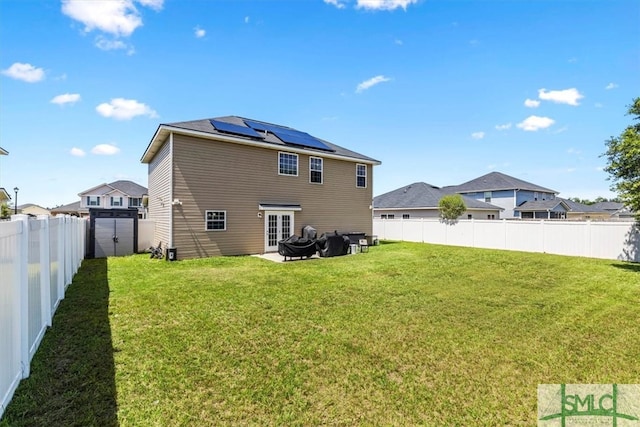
[15, 206]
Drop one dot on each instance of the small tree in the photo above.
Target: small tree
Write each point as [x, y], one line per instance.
[451, 207]
[623, 162]
[5, 212]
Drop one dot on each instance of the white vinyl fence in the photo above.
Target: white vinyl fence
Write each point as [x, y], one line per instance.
[38, 259]
[608, 240]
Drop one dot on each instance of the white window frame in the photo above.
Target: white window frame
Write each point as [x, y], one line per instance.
[120, 202]
[311, 159]
[206, 220]
[361, 176]
[91, 199]
[488, 195]
[138, 201]
[280, 154]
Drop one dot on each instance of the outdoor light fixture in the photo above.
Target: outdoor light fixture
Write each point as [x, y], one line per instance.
[15, 206]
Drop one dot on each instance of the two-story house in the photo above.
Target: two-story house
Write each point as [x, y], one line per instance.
[115, 195]
[232, 186]
[518, 198]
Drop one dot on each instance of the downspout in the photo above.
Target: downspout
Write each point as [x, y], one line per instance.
[171, 191]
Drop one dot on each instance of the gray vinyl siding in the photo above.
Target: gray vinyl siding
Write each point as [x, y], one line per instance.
[211, 175]
[160, 194]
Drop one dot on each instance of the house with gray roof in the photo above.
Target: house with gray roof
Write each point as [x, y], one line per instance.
[510, 193]
[120, 194]
[421, 200]
[232, 186]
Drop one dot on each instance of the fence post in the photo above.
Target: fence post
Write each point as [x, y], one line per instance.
[23, 283]
[45, 269]
[60, 251]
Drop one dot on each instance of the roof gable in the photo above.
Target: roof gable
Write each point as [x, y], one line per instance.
[496, 181]
[542, 205]
[128, 188]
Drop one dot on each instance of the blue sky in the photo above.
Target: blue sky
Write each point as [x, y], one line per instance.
[438, 91]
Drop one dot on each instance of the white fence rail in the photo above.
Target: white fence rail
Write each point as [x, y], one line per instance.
[608, 240]
[38, 259]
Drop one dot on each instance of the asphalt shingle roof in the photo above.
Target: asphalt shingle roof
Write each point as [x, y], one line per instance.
[495, 181]
[422, 195]
[205, 126]
[129, 188]
[541, 205]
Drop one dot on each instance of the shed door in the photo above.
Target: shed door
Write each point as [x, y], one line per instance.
[114, 237]
[278, 226]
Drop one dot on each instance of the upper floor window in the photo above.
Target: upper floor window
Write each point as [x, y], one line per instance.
[216, 220]
[315, 170]
[135, 202]
[535, 196]
[116, 201]
[405, 216]
[287, 164]
[93, 200]
[487, 196]
[361, 176]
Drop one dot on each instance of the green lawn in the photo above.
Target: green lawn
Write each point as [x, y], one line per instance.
[407, 334]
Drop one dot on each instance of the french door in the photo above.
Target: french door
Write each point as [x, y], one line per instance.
[278, 225]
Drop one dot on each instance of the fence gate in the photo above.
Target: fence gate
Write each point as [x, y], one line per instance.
[112, 232]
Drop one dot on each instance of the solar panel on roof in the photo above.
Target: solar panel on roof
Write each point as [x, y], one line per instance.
[234, 129]
[290, 136]
[304, 140]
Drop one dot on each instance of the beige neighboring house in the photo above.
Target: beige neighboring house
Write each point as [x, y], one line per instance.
[4, 195]
[115, 195]
[232, 186]
[31, 209]
[421, 200]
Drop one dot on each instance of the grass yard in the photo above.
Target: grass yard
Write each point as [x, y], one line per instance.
[407, 334]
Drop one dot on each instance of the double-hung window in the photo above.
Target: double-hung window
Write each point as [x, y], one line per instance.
[315, 170]
[487, 196]
[287, 164]
[216, 220]
[116, 201]
[361, 176]
[135, 202]
[93, 200]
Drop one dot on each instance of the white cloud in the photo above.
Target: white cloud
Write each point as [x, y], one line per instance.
[77, 152]
[534, 123]
[531, 103]
[384, 4]
[67, 98]
[247, 19]
[573, 151]
[566, 96]
[107, 44]
[371, 82]
[199, 32]
[611, 86]
[336, 3]
[504, 126]
[105, 150]
[119, 18]
[125, 109]
[477, 135]
[24, 72]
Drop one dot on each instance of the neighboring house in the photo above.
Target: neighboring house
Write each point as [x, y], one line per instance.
[115, 195]
[616, 210]
[421, 200]
[70, 209]
[232, 186]
[543, 209]
[511, 193]
[31, 209]
[580, 211]
[4, 196]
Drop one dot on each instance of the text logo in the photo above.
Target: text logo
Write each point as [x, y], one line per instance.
[616, 405]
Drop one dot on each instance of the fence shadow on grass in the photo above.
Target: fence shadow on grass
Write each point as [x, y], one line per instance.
[72, 381]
